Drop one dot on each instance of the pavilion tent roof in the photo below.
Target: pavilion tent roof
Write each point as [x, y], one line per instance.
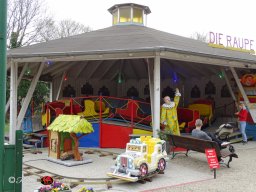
[125, 38]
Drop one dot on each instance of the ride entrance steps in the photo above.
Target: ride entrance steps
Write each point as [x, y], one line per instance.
[236, 137]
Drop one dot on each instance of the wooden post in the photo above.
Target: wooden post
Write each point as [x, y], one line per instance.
[29, 95]
[60, 86]
[18, 82]
[51, 93]
[241, 89]
[151, 86]
[100, 129]
[13, 102]
[71, 106]
[47, 115]
[132, 111]
[157, 77]
[250, 107]
[229, 85]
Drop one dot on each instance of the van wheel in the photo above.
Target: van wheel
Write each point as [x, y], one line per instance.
[161, 164]
[143, 169]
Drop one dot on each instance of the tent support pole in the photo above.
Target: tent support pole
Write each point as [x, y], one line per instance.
[156, 92]
[29, 96]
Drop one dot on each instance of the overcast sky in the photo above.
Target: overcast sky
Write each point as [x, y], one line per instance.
[181, 17]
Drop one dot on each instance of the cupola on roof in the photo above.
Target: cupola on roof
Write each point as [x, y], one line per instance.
[129, 13]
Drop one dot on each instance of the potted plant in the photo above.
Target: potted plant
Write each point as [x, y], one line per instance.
[163, 135]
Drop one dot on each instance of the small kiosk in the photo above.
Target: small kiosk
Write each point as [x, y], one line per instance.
[63, 138]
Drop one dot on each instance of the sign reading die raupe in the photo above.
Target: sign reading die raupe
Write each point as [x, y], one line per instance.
[220, 40]
[212, 160]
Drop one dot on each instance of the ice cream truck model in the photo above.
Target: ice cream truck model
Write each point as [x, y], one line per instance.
[143, 156]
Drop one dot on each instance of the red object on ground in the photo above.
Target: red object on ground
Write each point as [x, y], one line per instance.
[114, 136]
[212, 158]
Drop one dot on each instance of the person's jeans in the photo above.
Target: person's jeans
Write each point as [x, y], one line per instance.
[242, 130]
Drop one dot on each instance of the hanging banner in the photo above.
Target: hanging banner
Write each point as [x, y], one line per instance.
[224, 41]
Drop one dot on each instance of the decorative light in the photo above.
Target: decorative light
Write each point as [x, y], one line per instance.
[65, 77]
[221, 75]
[175, 77]
[28, 71]
[49, 62]
[120, 78]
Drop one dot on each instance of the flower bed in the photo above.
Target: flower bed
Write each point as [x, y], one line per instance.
[54, 187]
[86, 189]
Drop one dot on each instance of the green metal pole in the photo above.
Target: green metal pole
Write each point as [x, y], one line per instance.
[3, 13]
[18, 164]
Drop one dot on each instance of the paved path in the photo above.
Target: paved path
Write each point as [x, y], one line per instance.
[182, 174]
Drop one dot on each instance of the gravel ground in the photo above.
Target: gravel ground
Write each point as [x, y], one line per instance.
[183, 174]
[240, 177]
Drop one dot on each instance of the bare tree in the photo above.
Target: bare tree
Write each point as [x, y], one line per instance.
[47, 30]
[28, 23]
[23, 16]
[56, 30]
[66, 28]
[200, 36]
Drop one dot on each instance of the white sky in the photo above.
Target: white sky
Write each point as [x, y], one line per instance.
[181, 17]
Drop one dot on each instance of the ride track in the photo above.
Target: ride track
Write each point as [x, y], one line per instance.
[29, 170]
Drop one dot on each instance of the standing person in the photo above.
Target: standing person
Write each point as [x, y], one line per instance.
[242, 116]
[198, 133]
[169, 116]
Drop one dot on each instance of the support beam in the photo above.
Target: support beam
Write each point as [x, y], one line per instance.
[18, 82]
[204, 59]
[120, 86]
[51, 93]
[60, 85]
[65, 68]
[251, 107]
[53, 67]
[13, 102]
[79, 71]
[240, 87]
[109, 66]
[179, 70]
[198, 70]
[157, 80]
[229, 85]
[114, 75]
[8, 66]
[120, 70]
[150, 68]
[29, 96]
[94, 56]
[96, 66]
[134, 70]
